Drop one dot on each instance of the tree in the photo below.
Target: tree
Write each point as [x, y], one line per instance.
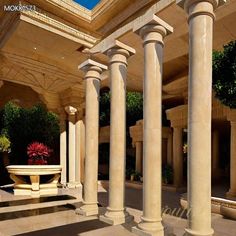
[224, 74]
[23, 126]
[134, 108]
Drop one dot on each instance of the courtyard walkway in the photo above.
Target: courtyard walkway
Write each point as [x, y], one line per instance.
[55, 216]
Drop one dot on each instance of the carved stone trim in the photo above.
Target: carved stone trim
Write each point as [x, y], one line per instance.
[50, 24]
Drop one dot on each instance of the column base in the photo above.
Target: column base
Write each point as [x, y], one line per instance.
[149, 229]
[190, 232]
[74, 185]
[87, 210]
[141, 232]
[112, 217]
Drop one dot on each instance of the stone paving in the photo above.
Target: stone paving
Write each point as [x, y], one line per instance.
[56, 217]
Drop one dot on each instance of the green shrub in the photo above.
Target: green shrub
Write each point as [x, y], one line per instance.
[24, 126]
[5, 144]
[224, 74]
[167, 174]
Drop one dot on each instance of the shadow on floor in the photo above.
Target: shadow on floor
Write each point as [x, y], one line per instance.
[35, 212]
[36, 200]
[134, 198]
[8, 189]
[71, 229]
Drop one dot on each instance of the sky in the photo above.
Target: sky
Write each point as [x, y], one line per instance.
[89, 4]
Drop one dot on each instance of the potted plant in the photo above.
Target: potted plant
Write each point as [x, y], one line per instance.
[167, 174]
[38, 153]
[135, 176]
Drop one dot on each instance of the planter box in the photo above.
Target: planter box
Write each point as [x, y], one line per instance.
[34, 188]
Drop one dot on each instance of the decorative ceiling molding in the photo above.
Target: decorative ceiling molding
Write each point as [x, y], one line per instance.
[40, 76]
[8, 23]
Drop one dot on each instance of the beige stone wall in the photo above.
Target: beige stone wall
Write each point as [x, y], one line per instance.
[22, 95]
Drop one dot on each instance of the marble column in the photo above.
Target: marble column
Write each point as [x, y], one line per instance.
[78, 150]
[139, 157]
[82, 150]
[232, 190]
[178, 156]
[92, 77]
[63, 148]
[152, 33]
[215, 154]
[71, 111]
[200, 19]
[118, 55]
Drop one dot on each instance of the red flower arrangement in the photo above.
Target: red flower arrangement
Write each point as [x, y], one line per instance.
[38, 153]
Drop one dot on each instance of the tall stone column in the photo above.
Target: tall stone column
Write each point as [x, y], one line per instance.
[232, 190]
[71, 111]
[178, 156]
[78, 142]
[152, 33]
[63, 147]
[118, 54]
[200, 19]
[82, 149]
[139, 157]
[92, 77]
[215, 154]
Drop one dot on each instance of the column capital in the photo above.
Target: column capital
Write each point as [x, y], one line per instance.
[92, 69]
[152, 28]
[202, 9]
[70, 110]
[121, 51]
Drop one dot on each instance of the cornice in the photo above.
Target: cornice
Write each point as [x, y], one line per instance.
[71, 7]
[178, 116]
[101, 7]
[40, 16]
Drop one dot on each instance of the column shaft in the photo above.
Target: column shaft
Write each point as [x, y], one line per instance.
[199, 119]
[92, 87]
[78, 152]
[178, 156]
[151, 224]
[152, 34]
[116, 213]
[139, 157]
[152, 140]
[63, 150]
[91, 140]
[118, 68]
[71, 151]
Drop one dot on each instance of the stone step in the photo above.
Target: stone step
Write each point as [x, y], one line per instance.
[37, 203]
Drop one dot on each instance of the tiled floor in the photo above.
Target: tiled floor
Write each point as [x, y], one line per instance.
[56, 216]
